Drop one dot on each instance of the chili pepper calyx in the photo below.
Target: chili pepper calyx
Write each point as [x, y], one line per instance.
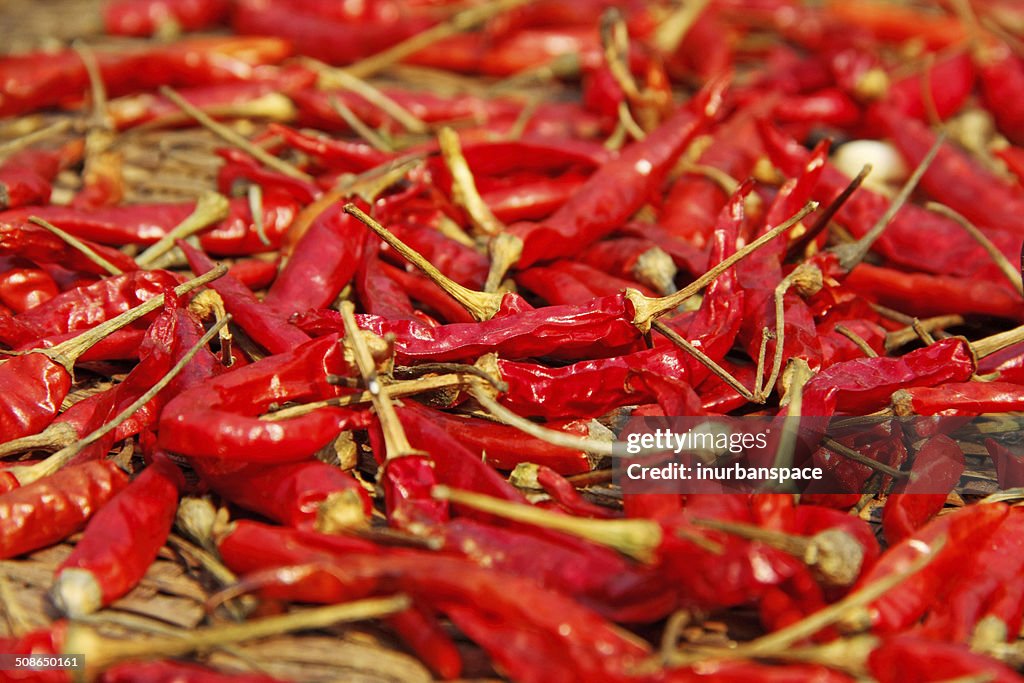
[76, 593]
[340, 511]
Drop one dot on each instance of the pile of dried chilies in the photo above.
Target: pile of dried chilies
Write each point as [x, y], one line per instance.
[440, 248]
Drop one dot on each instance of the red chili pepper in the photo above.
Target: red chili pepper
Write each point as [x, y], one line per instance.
[948, 83]
[120, 541]
[1001, 75]
[961, 183]
[218, 418]
[910, 600]
[41, 246]
[897, 24]
[37, 80]
[427, 295]
[321, 264]
[292, 494]
[556, 283]
[864, 385]
[45, 641]
[618, 188]
[254, 273]
[49, 510]
[241, 169]
[345, 156]
[906, 658]
[504, 447]
[320, 36]
[925, 295]
[23, 288]
[562, 492]
[265, 326]
[965, 398]
[379, 294]
[1009, 465]
[936, 470]
[146, 17]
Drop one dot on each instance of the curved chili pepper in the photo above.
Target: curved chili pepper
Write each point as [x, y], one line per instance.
[336, 155]
[864, 385]
[146, 17]
[24, 288]
[618, 188]
[51, 509]
[267, 328]
[217, 418]
[86, 306]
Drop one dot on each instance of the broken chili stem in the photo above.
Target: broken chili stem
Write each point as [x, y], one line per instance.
[647, 309]
[78, 244]
[396, 444]
[464, 191]
[210, 208]
[101, 652]
[230, 136]
[31, 473]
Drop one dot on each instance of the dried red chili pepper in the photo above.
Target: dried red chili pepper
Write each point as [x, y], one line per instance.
[41, 246]
[937, 467]
[23, 288]
[51, 509]
[146, 17]
[38, 380]
[264, 325]
[618, 188]
[296, 494]
[218, 418]
[905, 657]
[120, 541]
[912, 598]
[963, 398]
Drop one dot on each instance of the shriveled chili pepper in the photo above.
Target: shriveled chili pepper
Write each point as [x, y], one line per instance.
[38, 380]
[51, 509]
[964, 398]
[37, 244]
[43, 79]
[557, 282]
[267, 327]
[925, 295]
[961, 183]
[866, 384]
[120, 541]
[561, 490]
[321, 264]
[937, 467]
[618, 188]
[324, 37]
[294, 494]
[146, 17]
[986, 602]
[908, 602]
[218, 418]
[906, 657]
